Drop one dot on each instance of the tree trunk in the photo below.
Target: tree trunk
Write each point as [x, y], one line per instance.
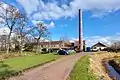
[21, 51]
[37, 49]
[8, 43]
[2, 47]
[21, 46]
[8, 46]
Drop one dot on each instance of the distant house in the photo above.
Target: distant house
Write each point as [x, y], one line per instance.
[55, 45]
[52, 44]
[99, 46]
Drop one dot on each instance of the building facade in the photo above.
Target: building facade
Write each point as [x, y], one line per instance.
[55, 45]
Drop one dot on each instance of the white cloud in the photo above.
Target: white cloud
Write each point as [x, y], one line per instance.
[74, 39]
[108, 40]
[2, 11]
[56, 10]
[93, 40]
[29, 5]
[35, 22]
[50, 25]
[4, 31]
[118, 33]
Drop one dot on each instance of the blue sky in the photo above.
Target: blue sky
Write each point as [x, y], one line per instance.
[101, 19]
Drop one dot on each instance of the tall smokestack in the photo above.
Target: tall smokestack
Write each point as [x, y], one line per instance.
[80, 31]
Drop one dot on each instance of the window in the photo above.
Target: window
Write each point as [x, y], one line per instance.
[94, 47]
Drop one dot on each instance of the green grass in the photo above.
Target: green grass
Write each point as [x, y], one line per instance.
[82, 71]
[19, 63]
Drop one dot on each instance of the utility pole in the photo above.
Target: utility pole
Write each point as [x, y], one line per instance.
[80, 31]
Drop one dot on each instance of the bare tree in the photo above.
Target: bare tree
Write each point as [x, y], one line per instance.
[3, 41]
[9, 16]
[16, 43]
[116, 46]
[40, 33]
[22, 30]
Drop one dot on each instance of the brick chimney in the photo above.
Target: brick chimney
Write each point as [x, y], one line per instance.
[80, 31]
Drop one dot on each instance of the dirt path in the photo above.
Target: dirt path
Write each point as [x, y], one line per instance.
[58, 70]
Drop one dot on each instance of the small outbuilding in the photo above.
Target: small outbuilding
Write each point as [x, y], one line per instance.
[98, 47]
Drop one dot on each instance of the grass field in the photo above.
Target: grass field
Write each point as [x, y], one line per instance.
[19, 63]
[81, 70]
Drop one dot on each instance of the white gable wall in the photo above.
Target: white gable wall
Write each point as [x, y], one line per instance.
[99, 48]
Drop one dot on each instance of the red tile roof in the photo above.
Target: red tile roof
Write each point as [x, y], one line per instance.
[52, 42]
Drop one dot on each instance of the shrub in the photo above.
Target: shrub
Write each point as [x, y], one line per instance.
[72, 52]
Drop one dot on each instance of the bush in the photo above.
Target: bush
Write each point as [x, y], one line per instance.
[72, 52]
[28, 47]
